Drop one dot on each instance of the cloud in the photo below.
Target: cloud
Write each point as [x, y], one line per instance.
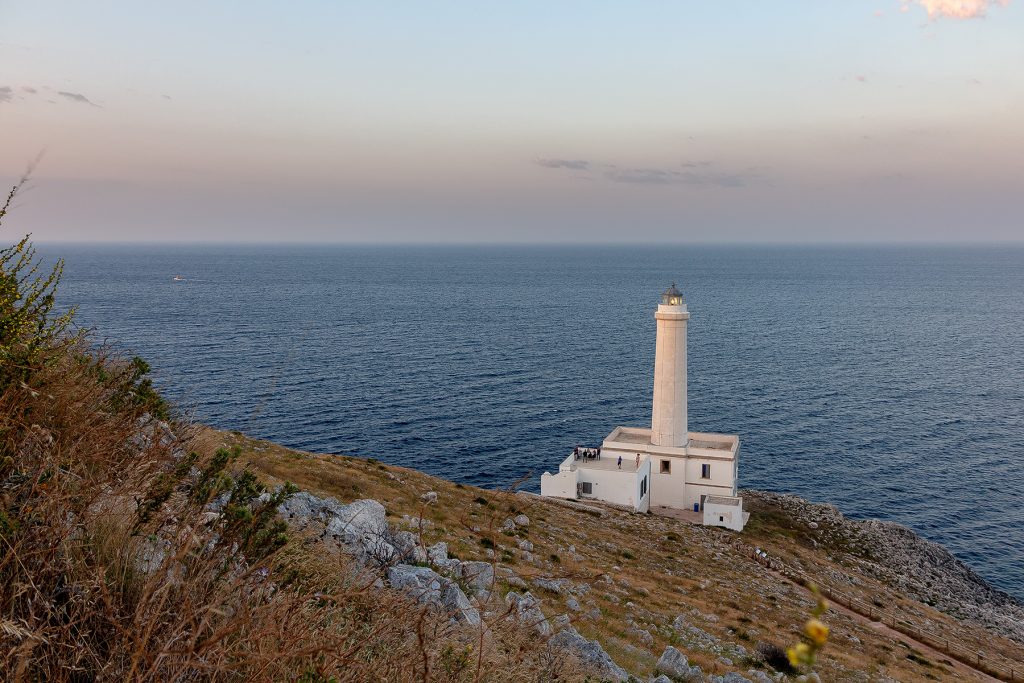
[6, 93]
[77, 97]
[29, 89]
[671, 176]
[955, 9]
[688, 173]
[574, 164]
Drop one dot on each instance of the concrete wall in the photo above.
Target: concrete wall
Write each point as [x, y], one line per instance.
[643, 502]
[723, 474]
[561, 484]
[619, 487]
[668, 418]
[728, 516]
[669, 490]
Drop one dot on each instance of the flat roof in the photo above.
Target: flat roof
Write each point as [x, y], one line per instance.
[629, 436]
[706, 440]
[722, 500]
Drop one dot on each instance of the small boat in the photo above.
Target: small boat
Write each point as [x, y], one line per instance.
[178, 278]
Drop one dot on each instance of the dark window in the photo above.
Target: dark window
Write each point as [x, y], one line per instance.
[705, 471]
[586, 488]
[666, 467]
[721, 519]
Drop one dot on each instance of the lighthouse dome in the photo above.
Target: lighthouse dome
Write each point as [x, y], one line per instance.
[672, 296]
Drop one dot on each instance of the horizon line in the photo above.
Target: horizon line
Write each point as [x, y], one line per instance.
[599, 244]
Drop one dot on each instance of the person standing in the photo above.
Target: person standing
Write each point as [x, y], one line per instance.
[620, 462]
[638, 461]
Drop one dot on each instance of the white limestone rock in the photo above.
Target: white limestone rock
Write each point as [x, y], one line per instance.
[521, 520]
[361, 526]
[428, 587]
[409, 548]
[479, 576]
[527, 610]
[590, 653]
[674, 664]
[437, 554]
[557, 586]
[731, 677]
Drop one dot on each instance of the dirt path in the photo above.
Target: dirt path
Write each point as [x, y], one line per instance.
[877, 626]
[937, 655]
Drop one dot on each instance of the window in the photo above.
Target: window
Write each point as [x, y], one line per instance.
[643, 486]
[586, 488]
[721, 519]
[705, 471]
[666, 467]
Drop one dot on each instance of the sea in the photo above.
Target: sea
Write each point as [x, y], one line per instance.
[887, 380]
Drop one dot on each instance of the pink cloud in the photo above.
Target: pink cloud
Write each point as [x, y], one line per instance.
[955, 9]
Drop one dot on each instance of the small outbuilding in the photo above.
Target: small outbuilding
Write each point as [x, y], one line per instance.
[725, 511]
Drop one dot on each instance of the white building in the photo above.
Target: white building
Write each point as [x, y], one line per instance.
[666, 465]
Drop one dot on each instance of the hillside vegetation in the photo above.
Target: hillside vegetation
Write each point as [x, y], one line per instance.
[140, 547]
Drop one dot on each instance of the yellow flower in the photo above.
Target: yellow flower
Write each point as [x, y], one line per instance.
[799, 654]
[816, 631]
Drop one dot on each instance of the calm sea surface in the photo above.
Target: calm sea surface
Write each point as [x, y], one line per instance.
[889, 381]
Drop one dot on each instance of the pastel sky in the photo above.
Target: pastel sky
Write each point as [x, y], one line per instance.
[585, 121]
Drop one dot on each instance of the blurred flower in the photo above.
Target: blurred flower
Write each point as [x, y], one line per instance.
[816, 631]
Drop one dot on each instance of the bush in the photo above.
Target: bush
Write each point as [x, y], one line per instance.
[130, 556]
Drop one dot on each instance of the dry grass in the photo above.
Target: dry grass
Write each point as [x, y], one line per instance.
[116, 567]
[660, 568]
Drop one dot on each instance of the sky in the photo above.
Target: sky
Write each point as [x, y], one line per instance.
[571, 121]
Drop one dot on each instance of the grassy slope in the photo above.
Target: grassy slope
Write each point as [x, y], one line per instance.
[661, 568]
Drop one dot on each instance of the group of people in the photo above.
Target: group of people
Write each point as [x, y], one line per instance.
[585, 453]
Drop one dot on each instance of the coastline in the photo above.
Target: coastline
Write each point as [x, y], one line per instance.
[631, 581]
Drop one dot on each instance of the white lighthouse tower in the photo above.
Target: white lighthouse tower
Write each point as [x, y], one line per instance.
[666, 468]
[668, 414]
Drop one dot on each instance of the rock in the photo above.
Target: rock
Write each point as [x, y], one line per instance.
[562, 620]
[525, 545]
[580, 589]
[428, 587]
[508, 525]
[641, 635]
[573, 604]
[360, 525]
[521, 520]
[731, 677]
[429, 497]
[409, 548]
[438, 553]
[516, 582]
[557, 586]
[758, 676]
[527, 610]
[590, 653]
[914, 567]
[662, 678]
[479, 576]
[674, 664]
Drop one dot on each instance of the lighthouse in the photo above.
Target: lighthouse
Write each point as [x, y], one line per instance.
[668, 413]
[665, 469]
